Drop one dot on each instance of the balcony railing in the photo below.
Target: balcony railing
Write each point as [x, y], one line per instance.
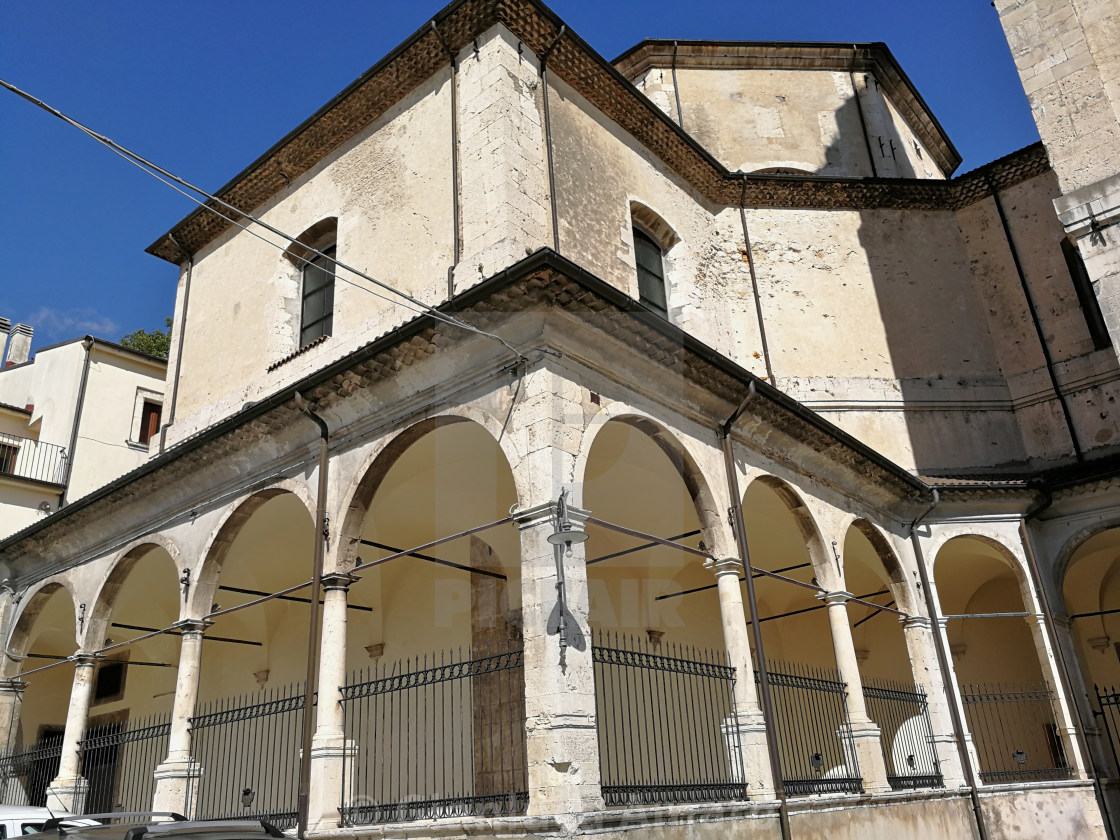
[26, 458]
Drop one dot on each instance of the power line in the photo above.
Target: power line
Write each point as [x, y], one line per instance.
[156, 171]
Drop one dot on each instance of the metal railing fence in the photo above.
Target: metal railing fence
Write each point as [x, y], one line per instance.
[1015, 731]
[668, 730]
[1108, 701]
[814, 734]
[25, 774]
[248, 750]
[902, 714]
[119, 761]
[441, 735]
[26, 458]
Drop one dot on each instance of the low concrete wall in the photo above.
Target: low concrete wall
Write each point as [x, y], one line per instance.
[1044, 813]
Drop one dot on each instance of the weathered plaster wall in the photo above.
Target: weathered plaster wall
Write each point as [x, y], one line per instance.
[390, 190]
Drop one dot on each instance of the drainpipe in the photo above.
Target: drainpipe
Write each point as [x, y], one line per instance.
[454, 160]
[676, 89]
[862, 121]
[736, 511]
[1063, 663]
[946, 675]
[87, 343]
[548, 137]
[178, 351]
[1034, 318]
[754, 286]
[315, 629]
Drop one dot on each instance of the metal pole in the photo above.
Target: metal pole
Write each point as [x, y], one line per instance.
[950, 688]
[315, 629]
[756, 627]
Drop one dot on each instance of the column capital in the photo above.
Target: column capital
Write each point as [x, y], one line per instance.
[1035, 619]
[726, 566]
[832, 599]
[919, 622]
[86, 660]
[545, 514]
[192, 625]
[338, 580]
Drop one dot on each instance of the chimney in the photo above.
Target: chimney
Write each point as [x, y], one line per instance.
[5, 328]
[19, 347]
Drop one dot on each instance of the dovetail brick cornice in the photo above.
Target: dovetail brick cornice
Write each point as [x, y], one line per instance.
[422, 56]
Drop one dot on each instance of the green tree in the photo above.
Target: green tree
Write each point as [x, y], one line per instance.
[154, 343]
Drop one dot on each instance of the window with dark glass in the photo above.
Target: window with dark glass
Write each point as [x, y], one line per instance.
[317, 312]
[8, 455]
[1094, 320]
[149, 421]
[651, 272]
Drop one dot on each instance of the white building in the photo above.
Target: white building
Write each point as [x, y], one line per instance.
[728, 307]
[72, 418]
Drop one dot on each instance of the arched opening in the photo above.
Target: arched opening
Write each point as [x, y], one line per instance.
[1009, 704]
[818, 754]
[655, 615]
[246, 727]
[893, 699]
[447, 616]
[1091, 589]
[44, 633]
[134, 686]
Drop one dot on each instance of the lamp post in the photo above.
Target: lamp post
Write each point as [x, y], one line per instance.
[564, 535]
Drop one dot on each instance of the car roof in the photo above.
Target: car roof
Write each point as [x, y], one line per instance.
[134, 829]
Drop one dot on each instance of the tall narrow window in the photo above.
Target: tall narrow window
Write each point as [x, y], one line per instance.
[1090, 308]
[651, 272]
[317, 312]
[149, 420]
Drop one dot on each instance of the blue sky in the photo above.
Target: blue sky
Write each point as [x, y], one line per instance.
[203, 88]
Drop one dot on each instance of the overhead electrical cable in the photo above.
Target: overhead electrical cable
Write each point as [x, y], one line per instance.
[156, 171]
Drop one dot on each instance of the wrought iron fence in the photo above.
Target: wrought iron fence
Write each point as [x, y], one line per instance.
[1014, 729]
[119, 761]
[25, 774]
[814, 733]
[902, 714]
[1108, 701]
[436, 736]
[668, 730]
[248, 751]
[27, 458]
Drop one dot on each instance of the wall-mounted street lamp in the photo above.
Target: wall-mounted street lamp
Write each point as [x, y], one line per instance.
[564, 535]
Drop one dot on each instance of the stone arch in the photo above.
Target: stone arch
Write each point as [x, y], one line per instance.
[1074, 542]
[368, 478]
[322, 232]
[119, 570]
[31, 605]
[1008, 555]
[652, 223]
[806, 523]
[899, 583]
[679, 454]
[205, 577]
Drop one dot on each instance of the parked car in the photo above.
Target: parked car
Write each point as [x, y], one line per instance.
[17, 820]
[153, 825]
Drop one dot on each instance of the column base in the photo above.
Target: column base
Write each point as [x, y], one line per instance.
[868, 744]
[563, 767]
[756, 771]
[68, 795]
[329, 789]
[177, 784]
[949, 761]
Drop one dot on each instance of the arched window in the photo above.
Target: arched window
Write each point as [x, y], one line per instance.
[317, 308]
[312, 255]
[1090, 308]
[651, 272]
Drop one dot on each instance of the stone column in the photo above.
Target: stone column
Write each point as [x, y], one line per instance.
[11, 695]
[1063, 715]
[329, 747]
[865, 734]
[918, 632]
[68, 790]
[752, 728]
[177, 777]
[562, 740]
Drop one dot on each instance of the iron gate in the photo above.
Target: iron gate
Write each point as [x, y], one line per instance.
[119, 761]
[902, 714]
[1014, 729]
